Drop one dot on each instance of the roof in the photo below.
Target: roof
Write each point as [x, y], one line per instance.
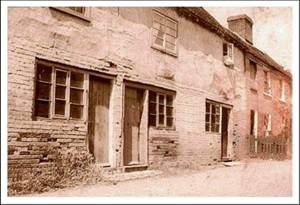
[200, 16]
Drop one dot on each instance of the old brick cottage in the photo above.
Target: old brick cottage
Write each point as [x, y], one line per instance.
[139, 86]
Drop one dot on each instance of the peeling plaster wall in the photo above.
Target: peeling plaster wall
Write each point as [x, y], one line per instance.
[117, 42]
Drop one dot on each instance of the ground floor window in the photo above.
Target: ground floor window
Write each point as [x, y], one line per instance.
[212, 116]
[60, 91]
[161, 110]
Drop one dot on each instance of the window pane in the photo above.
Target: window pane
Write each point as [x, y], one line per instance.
[169, 100]
[77, 80]
[161, 99]
[170, 39]
[76, 96]
[213, 109]
[217, 126]
[169, 122]
[207, 105]
[60, 107]
[161, 119]
[225, 52]
[76, 111]
[60, 92]
[206, 126]
[159, 41]
[213, 118]
[169, 111]
[161, 109]
[78, 9]
[158, 18]
[171, 24]
[217, 118]
[44, 72]
[171, 32]
[207, 117]
[42, 108]
[61, 77]
[152, 120]
[152, 108]
[170, 46]
[152, 96]
[43, 91]
[217, 109]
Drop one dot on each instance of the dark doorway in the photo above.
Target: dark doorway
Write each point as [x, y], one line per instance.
[98, 119]
[224, 133]
[132, 121]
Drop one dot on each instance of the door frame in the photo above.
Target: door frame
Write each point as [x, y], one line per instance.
[229, 108]
[111, 80]
[145, 111]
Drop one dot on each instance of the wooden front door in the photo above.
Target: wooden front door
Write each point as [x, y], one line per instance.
[132, 122]
[98, 140]
[224, 132]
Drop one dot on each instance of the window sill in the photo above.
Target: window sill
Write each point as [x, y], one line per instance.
[162, 50]
[283, 101]
[163, 128]
[72, 13]
[212, 133]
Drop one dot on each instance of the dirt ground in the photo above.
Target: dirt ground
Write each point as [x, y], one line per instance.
[249, 178]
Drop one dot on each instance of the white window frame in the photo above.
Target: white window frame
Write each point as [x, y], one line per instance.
[229, 57]
[67, 115]
[269, 83]
[268, 125]
[164, 124]
[210, 116]
[153, 37]
[282, 91]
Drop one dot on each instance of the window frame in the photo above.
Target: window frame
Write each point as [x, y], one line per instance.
[282, 90]
[163, 125]
[163, 48]
[219, 105]
[251, 62]
[267, 83]
[52, 96]
[84, 16]
[229, 57]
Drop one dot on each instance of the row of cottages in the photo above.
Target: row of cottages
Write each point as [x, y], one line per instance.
[138, 87]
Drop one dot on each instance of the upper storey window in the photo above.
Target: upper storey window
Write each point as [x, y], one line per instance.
[164, 33]
[228, 54]
[253, 70]
[282, 91]
[81, 12]
[267, 83]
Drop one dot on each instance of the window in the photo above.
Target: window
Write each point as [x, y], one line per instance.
[268, 125]
[59, 92]
[282, 90]
[267, 83]
[228, 53]
[253, 70]
[212, 117]
[81, 12]
[161, 110]
[164, 33]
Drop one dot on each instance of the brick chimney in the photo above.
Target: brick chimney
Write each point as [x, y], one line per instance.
[242, 25]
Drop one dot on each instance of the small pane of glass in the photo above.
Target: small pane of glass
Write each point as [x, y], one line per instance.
[169, 121]
[161, 119]
[152, 120]
[213, 109]
[152, 96]
[152, 108]
[158, 18]
[170, 39]
[170, 46]
[161, 109]
[213, 118]
[171, 32]
[169, 111]
[159, 41]
[77, 79]
[44, 72]
[206, 126]
[42, 108]
[207, 105]
[171, 24]
[61, 77]
[60, 107]
[60, 92]
[76, 111]
[207, 117]
[161, 99]
[76, 96]
[43, 91]
[169, 100]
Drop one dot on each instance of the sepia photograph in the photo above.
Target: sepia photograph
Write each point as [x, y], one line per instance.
[166, 100]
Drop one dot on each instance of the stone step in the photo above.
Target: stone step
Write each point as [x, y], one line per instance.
[118, 177]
